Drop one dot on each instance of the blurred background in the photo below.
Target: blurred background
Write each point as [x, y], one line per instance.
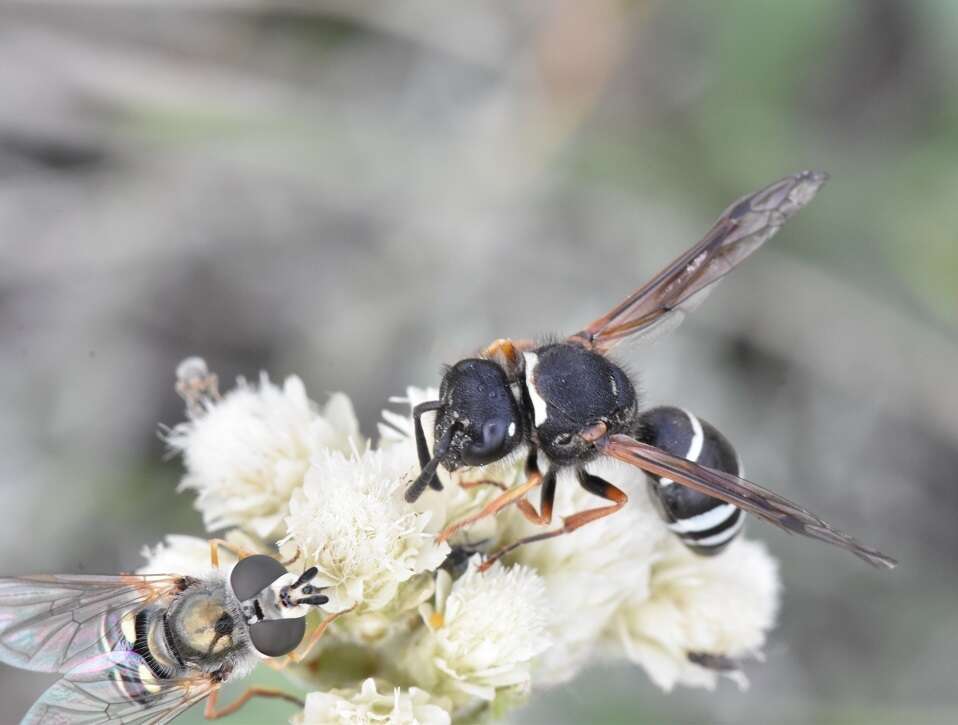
[356, 192]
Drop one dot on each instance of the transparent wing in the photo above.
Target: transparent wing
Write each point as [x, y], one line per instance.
[115, 688]
[51, 623]
[667, 298]
[737, 491]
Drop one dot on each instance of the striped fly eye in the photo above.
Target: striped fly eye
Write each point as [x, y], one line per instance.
[277, 637]
[253, 574]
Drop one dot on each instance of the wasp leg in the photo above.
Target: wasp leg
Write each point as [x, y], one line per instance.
[516, 493]
[468, 485]
[212, 713]
[527, 509]
[506, 352]
[592, 484]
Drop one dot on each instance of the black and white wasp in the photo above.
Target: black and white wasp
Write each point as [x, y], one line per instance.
[705, 524]
[570, 402]
[144, 648]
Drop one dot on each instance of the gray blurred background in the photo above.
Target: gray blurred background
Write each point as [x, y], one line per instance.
[357, 192]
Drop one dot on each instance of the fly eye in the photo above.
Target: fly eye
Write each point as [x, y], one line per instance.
[253, 574]
[492, 447]
[277, 637]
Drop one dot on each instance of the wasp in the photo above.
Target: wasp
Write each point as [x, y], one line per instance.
[144, 648]
[568, 401]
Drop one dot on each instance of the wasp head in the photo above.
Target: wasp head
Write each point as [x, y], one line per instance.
[478, 421]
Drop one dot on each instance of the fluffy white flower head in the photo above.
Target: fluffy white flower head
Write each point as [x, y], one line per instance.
[588, 574]
[351, 521]
[485, 630]
[369, 707]
[397, 435]
[246, 452]
[716, 606]
[179, 554]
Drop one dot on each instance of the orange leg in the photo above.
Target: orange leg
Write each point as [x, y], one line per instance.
[299, 655]
[546, 501]
[212, 713]
[592, 484]
[240, 553]
[215, 544]
[293, 558]
[469, 485]
[506, 352]
[516, 493]
[523, 504]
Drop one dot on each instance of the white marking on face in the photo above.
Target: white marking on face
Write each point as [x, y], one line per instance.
[723, 536]
[538, 404]
[274, 604]
[512, 429]
[704, 521]
[615, 387]
[698, 438]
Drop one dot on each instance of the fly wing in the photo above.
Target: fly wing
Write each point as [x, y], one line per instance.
[116, 688]
[52, 623]
[737, 491]
[665, 300]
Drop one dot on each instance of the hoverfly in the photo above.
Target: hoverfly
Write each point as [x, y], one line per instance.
[144, 648]
[570, 402]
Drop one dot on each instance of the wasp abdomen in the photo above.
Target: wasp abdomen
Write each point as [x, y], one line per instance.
[705, 524]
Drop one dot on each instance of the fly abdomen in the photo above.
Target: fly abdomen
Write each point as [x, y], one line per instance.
[705, 524]
[138, 633]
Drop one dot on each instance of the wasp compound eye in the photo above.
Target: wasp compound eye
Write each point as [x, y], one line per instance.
[277, 637]
[253, 574]
[491, 447]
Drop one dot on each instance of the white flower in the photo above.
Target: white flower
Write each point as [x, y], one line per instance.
[397, 435]
[589, 573]
[179, 554]
[351, 520]
[369, 707]
[247, 452]
[721, 605]
[483, 632]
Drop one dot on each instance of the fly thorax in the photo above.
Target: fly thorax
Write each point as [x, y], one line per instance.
[204, 626]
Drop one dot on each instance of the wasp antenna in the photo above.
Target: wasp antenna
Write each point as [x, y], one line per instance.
[424, 480]
[427, 476]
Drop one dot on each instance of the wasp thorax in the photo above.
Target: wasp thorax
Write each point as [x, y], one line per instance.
[480, 409]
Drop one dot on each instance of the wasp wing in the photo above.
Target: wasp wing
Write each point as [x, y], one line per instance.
[737, 491]
[51, 623]
[664, 301]
[115, 688]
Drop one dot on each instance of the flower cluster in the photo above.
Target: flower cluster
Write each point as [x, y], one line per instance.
[432, 639]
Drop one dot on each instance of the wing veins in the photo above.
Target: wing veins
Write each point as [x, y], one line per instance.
[748, 496]
[744, 226]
